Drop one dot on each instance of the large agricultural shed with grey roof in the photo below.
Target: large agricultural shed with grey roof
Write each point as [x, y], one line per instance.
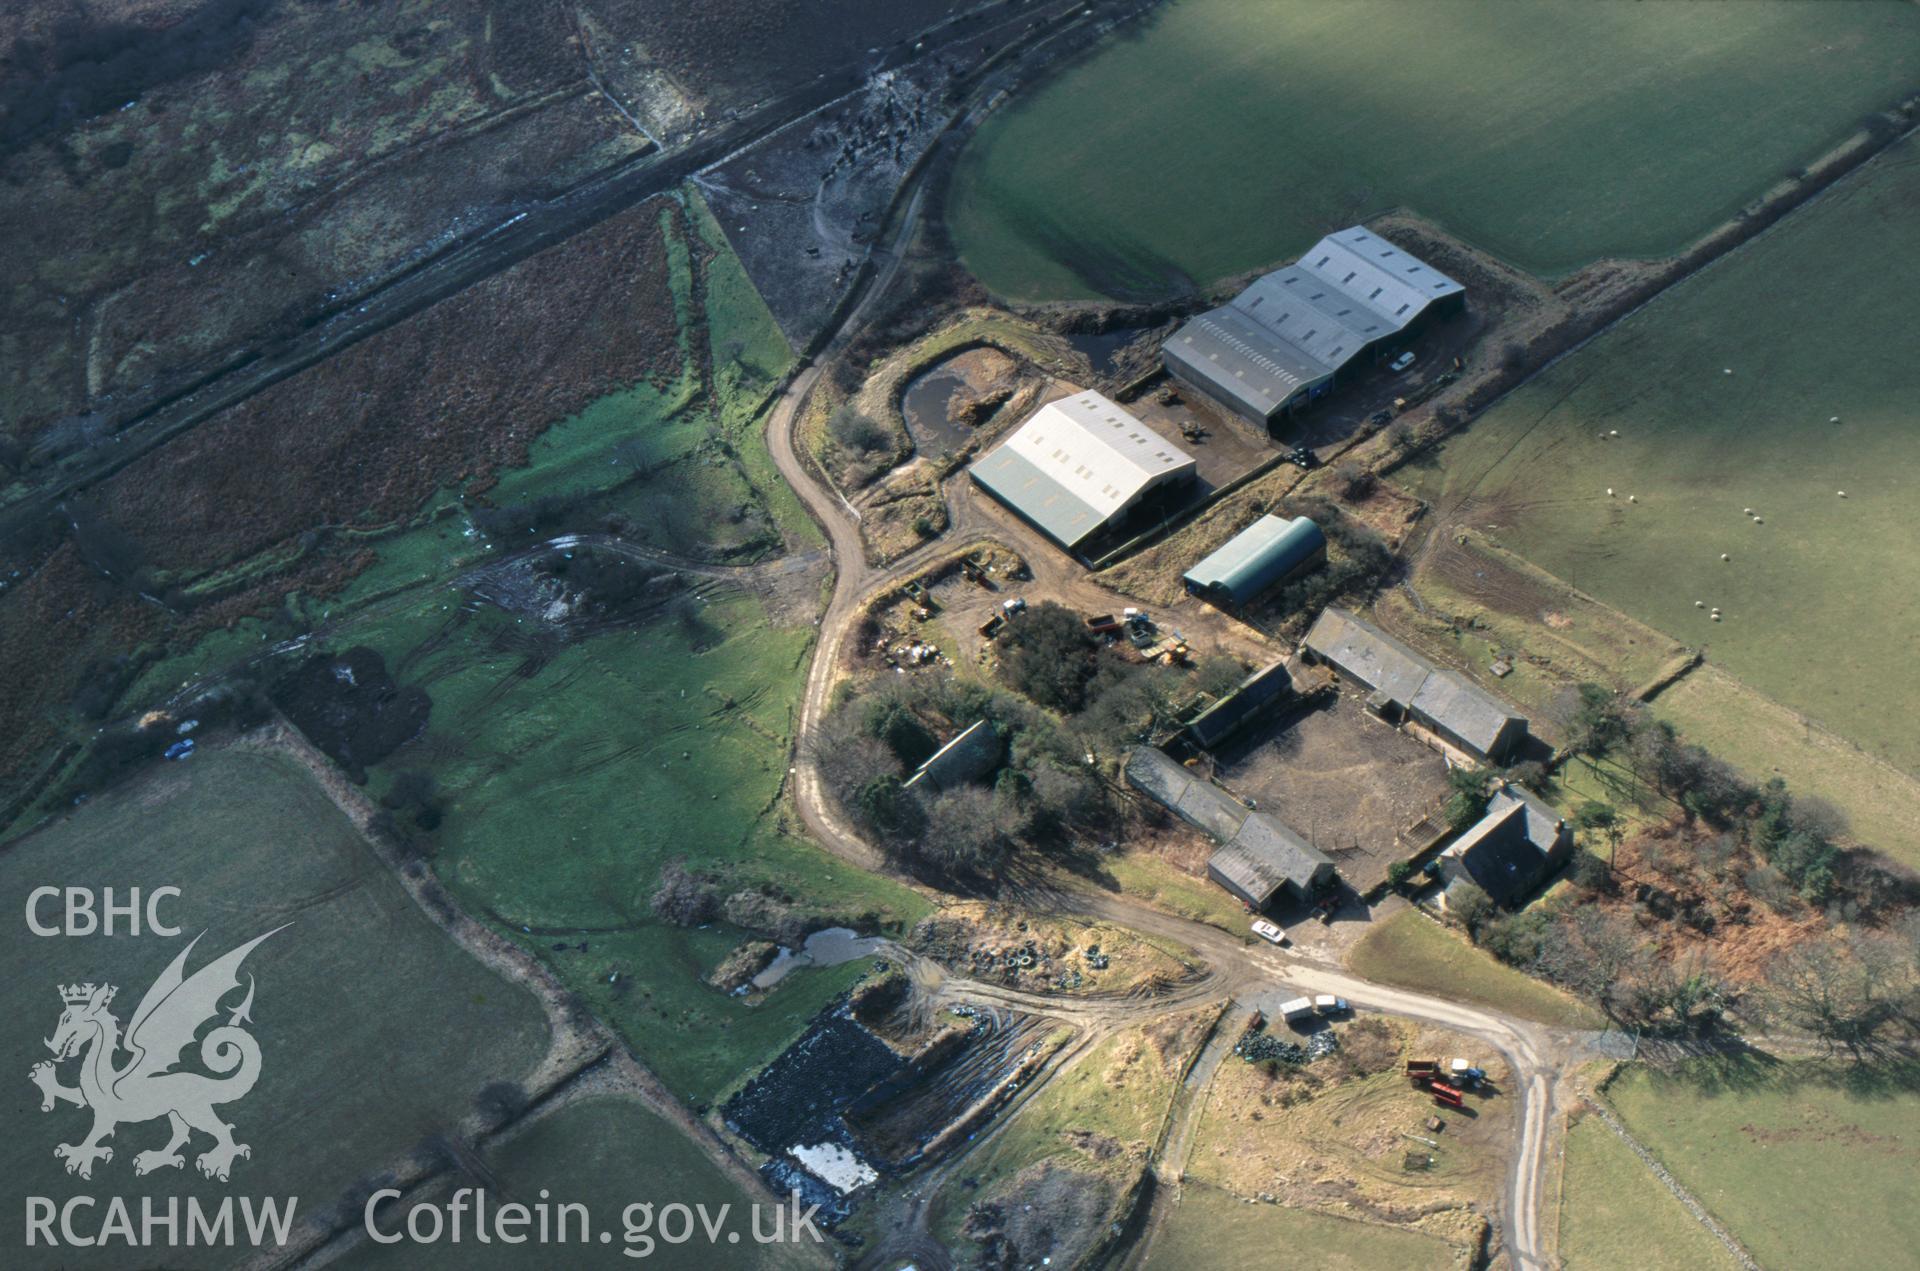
[1079, 465]
[1258, 856]
[1406, 686]
[1285, 341]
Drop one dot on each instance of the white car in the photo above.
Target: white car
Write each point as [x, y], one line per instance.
[1401, 363]
[1268, 932]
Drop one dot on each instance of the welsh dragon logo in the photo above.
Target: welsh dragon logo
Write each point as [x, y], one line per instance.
[145, 1086]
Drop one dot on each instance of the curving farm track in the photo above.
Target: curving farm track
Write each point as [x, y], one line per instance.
[1538, 1056]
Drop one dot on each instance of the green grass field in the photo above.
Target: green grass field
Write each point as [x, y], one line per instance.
[1798, 317]
[1809, 1165]
[1415, 953]
[575, 769]
[1213, 1228]
[355, 1006]
[1224, 135]
[1616, 1216]
[606, 1153]
[1764, 739]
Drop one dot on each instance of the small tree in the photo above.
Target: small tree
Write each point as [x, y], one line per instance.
[1472, 907]
[1468, 802]
[1599, 720]
[1844, 992]
[1048, 655]
[1398, 873]
[1591, 872]
[1218, 675]
[501, 1101]
[1600, 819]
[1353, 481]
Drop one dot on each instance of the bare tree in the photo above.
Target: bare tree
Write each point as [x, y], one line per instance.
[1846, 992]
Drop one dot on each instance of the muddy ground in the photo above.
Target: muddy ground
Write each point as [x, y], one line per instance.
[1343, 780]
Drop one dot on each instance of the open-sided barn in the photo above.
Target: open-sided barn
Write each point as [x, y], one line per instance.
[1284, 341]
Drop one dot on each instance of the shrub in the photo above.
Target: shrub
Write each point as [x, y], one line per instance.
[1591, 872]
[856, 431]
[683, 899]
[1353, 481]
[1048, 655]
[501, 1101]
[1470, 906]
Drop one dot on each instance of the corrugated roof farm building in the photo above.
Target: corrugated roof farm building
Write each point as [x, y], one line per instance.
[1406, 686]
[1258, 856]
[1078, 466]
[1284, 341]
[1270, 684]
[970, 755]
[1265, 554]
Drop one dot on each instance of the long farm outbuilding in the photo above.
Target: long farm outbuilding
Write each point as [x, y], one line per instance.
[1403, 686]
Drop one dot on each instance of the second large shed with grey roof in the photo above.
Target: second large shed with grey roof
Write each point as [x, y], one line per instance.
[1287, 338]
[1406, 686]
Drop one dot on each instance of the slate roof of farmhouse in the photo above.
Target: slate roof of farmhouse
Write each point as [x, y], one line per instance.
[1510, 850]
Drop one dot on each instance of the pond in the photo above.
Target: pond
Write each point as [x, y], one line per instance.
[1103, 347]
[934, 397]
[830, 947]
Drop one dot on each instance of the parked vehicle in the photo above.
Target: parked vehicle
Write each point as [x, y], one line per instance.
[1441, 1090]
[1297, 1008]
[1401, 363]
[1015, 605]
[1423, 1069]
[1103, 624]
[1328, 1004]
[1268, 931]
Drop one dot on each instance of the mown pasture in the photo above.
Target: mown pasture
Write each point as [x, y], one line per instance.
[1808, 1164]
[1416, 953]
[1616, 1216]
[1224, 135]
[354, 1008]
[1771, 383]
[1212, 1228]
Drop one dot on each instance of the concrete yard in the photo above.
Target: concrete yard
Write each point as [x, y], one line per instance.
[1343, 780]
